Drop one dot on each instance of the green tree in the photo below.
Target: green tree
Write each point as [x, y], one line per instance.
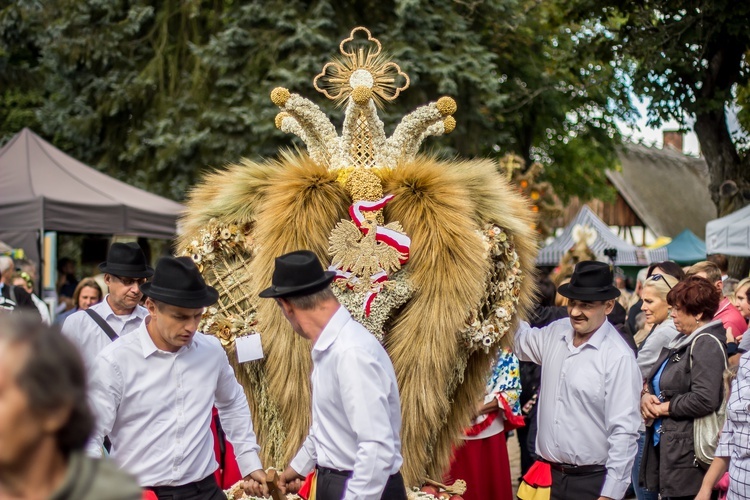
[20, 98]
[690, 59]
[155, 92]
[564, 96]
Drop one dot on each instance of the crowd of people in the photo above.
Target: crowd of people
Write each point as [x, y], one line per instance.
[611, 393]
[689, 335]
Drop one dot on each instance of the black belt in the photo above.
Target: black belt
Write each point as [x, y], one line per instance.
[327, 470]
[206, 482]
[576, 470]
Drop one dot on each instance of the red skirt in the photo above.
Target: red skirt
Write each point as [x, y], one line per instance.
[484, 465]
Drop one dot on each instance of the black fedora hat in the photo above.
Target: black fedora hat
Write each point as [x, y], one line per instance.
[591, 281]
[128, 260]
[178, 282]
[297, 273]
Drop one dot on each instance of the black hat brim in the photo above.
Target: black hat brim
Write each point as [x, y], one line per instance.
[275, 292]
[179, 298]
[588, 294]
[127, 271]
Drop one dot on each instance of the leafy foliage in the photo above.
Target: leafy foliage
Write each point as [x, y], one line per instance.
[690, 59]
[155, 92]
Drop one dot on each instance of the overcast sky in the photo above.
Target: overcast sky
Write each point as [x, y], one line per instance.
[654, 135]
[641, 132]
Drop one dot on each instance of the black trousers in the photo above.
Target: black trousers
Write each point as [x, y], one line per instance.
[577, 486]
[332, 485]
[205, 489]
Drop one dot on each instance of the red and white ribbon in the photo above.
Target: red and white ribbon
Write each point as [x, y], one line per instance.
[390, 237]
[377, 280]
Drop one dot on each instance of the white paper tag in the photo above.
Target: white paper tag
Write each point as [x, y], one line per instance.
[248, 348]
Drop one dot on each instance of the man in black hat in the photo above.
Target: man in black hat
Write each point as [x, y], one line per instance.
[354, 440]
[152, 392]
[119, 313]
[588, 410]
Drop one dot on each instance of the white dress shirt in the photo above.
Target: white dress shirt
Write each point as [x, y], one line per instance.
[90, 339]
[589, 399]
[43, 309]
[356, 413]
[155, 406]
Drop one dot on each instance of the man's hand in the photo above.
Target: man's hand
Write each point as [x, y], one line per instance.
[290, 481]
[254, 484]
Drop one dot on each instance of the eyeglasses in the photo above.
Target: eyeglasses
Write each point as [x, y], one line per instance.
[657, 277]
[129, 281]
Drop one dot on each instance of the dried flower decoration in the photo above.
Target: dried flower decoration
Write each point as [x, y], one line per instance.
[493, 318]
[363, 73]
[362, 78]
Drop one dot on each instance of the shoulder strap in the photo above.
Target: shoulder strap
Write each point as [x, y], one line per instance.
[102, 324]
[706, 335]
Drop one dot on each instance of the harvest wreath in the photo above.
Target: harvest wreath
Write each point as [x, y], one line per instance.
[432, 256]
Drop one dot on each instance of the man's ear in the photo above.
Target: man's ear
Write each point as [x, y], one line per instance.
[56, 420]
[285, 305]
[609, 305]
[150, 306]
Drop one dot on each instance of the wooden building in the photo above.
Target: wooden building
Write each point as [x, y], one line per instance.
[663, 191]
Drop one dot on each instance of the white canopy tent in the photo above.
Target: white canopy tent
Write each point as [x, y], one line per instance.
[627, 254]
[730, 234]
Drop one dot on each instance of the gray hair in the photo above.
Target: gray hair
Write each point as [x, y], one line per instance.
[5, 263]
[730, 285]
[308, 302]
[642, 275]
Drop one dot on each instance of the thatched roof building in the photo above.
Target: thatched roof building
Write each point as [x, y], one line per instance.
[663, 190]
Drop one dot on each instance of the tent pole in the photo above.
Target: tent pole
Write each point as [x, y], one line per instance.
[40, 277]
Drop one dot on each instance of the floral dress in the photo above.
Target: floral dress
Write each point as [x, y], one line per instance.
[504, 385]
[482, 461]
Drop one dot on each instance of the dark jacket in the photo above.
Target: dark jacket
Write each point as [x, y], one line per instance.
[671, 468]
[632, 315]
[22, 299]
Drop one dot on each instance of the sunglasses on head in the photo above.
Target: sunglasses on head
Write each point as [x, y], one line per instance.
[657, 277]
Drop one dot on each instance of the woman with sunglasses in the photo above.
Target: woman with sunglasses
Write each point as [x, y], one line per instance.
[657, 311]
[662, 332]
[685, 383]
